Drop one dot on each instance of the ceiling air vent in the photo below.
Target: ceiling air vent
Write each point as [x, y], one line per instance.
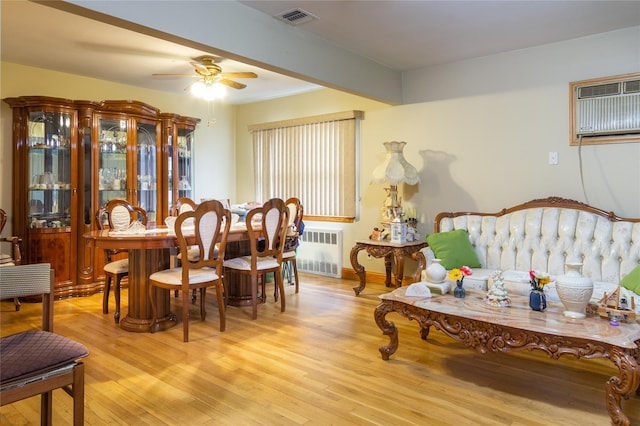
[296, 16]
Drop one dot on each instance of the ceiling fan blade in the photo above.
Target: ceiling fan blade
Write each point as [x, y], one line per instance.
[200, 67]
[232, 83]
[239, 75]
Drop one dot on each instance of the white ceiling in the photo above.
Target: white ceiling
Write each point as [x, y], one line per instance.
[401, 35]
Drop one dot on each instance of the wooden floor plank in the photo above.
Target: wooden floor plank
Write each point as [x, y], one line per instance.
[315, 364]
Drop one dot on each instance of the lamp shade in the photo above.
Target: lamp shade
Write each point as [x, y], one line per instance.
[395, 169]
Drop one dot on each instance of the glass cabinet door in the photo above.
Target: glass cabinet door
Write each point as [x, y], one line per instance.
[112, 160]
[49, 169]
[185, 165]
[178, 136]
[171, 189]
[147, 169]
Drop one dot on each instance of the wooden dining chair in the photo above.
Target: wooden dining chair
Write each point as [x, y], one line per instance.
[13, 259]
[289, 265]
[211, 222]
[181, 205]
[37, 362]
[116, 215]
[184, 204]
[267, 227]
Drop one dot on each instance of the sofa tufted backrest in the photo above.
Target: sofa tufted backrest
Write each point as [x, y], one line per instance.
[545, 234]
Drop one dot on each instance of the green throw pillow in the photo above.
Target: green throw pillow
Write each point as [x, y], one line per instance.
[632, 280]
[454, 249]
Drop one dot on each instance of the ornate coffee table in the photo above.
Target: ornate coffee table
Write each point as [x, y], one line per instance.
[490, 329]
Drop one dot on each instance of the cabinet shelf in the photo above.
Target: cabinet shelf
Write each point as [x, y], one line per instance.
[120, 152]
[49, 147]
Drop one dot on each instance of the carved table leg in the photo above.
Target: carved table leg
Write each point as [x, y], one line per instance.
[622, 386]
[388, 329]
[388, 264]
[359, 269]
[399, 256]
[424, 332]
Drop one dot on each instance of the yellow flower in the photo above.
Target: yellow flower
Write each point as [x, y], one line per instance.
[455, 274]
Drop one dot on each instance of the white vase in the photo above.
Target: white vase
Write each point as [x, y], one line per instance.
[436, 272]
[574, 290]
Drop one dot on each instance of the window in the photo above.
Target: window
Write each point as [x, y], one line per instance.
[314, 159]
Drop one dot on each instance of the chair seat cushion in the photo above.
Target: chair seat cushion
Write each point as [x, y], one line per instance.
[244, 263]
[288, 255]
[117, 266]
[5, 258]
[174, 276]
[36, 352]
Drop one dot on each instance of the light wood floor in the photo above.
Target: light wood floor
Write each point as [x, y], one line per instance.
[316, 364]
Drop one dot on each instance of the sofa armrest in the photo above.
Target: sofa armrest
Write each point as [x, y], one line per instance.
[421, 265]
[423, 257]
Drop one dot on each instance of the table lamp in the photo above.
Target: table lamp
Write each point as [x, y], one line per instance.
[394, 170]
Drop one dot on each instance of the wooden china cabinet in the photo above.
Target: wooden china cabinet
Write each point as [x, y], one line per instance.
[71, 158]
[45, 182]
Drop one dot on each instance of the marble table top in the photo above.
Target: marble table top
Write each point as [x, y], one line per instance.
[519, 315]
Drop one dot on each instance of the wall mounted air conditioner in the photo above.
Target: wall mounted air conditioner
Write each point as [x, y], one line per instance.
[609, 108]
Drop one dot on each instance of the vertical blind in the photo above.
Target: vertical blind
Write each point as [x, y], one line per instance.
[313, 159]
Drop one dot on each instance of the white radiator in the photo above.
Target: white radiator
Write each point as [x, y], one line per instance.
[320, 252]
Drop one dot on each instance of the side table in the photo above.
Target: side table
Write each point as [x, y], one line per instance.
[390, 251]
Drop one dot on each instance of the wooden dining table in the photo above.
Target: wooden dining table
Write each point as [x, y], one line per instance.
[149, 252]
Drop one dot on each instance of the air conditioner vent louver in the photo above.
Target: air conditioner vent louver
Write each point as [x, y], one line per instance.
[296, 16]
[599, 90]
[632, 86]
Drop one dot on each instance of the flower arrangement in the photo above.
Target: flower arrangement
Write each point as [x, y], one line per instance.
[538, 280]
[458, 274]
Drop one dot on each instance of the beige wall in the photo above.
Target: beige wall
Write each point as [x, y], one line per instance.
[486, 150]
[214, 152]
[480, 152]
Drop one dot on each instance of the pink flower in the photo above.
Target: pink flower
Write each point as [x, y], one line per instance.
[466, 270]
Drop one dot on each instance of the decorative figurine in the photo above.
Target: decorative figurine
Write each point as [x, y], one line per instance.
[618, 306]
[378, 234]
[497, 295]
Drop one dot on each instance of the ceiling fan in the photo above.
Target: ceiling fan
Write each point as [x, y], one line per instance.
[211, 76]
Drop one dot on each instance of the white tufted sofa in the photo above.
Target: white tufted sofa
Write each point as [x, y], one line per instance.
[544, 234]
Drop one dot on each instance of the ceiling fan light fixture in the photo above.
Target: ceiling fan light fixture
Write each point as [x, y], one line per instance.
[197, 88]
[208, 91]
[218, 90]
